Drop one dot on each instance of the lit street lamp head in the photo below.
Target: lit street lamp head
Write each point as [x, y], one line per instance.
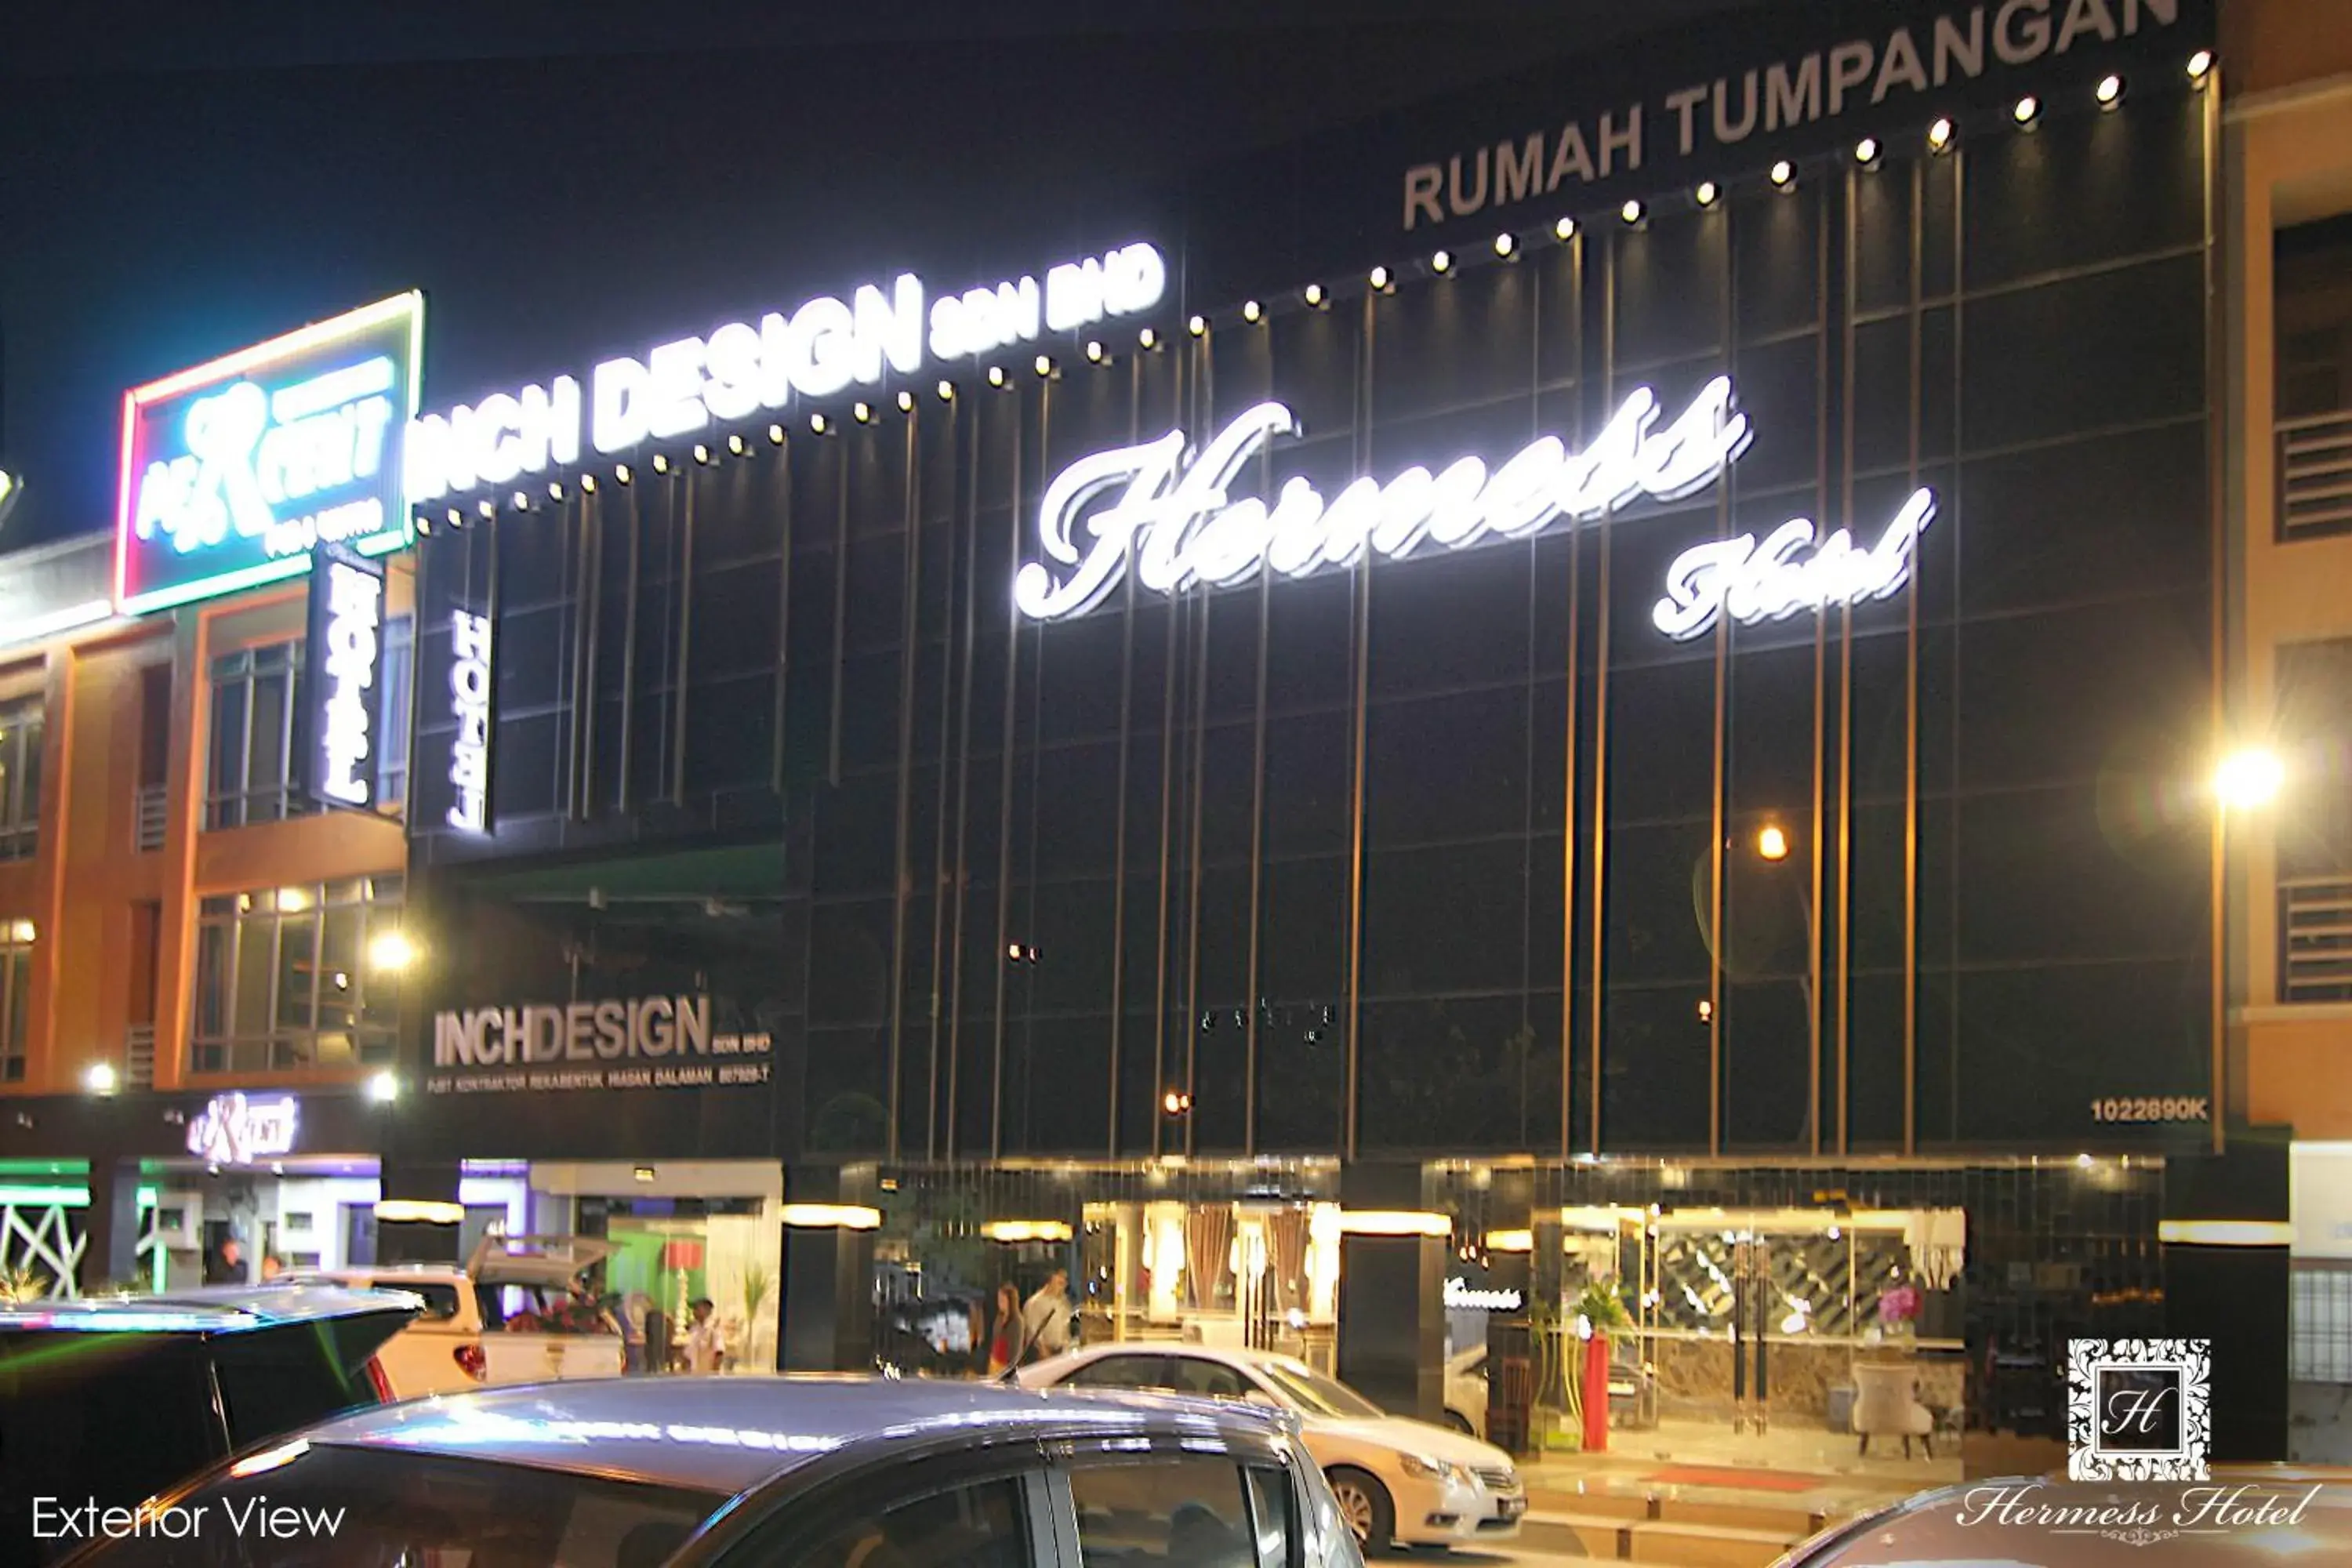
[1772, 842]
[2249, 778]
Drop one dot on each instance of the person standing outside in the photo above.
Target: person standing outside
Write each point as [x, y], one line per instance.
[706, 1342]
[1045, 1320]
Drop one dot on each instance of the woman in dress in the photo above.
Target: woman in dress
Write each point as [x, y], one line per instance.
[1005, 1337]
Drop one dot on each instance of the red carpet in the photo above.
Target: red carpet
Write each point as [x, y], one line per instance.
[1746, 1480]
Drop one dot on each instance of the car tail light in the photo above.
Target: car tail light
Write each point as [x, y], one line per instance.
[472, 1362]
[377, 1381]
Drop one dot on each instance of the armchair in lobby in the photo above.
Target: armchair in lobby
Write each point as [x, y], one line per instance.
[1887, 1404]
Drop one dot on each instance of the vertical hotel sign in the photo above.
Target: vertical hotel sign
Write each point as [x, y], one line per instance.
[342, 665]
[235, 471]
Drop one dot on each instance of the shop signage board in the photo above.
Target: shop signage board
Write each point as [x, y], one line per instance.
[1165, 507]
[1895, 62]
[638, 1042]
[341, 678]
[1462, 1295]
[233, 472]
[471, 691]
[741, 370]
[237, 1128]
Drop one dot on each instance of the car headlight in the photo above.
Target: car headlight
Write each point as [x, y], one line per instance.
[1427, 1469]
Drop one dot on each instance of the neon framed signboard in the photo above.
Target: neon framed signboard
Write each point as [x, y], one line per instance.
[233, 470]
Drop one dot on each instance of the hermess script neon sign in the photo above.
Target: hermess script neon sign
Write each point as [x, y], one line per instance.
[232, 472]
[1164, 510]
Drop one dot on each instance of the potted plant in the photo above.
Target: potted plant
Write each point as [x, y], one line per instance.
[757, 1285]
[1599, 1312]
[21, 1287]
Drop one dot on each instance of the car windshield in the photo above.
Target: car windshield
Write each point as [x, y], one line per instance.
[338, 1507]
[1316, 1394]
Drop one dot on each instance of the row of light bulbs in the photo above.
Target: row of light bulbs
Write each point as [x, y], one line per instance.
[2026, 112]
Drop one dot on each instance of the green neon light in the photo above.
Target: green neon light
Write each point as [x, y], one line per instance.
[46, 1197]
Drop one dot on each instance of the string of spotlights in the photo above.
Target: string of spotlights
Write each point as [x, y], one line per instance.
[1941, 136]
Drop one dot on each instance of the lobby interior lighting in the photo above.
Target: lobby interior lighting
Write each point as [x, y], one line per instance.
[661, 462]
[1518, 1240]
[621, 473]
[947, 392]
[1564, 229]
[1197, 325]
[1380, 278]
[1044, 364]
[1772, 842]
[1094, 353]
[521, 501]
[2200, 65]
[832, 1216]
[996, 375]
[391, 952]
[1394, 1222]
[1706, 192]
[701, 453]
[2249, 778]
[1506, 245]
[457, 518]
[2026, 111]
[2226, 1232]
[906, 402]
[1020, 1230]
[775, 435]
[383, 1088]
[419, 1211]
[1148, 337]
[587, 484]
[1784, 173]
[643, 1174]
[735, 444]
[487, 508]
[1940, 135]
[862, 412]
[99, 1078]
[1175, 1102]
[2110, 92]
[816, 423]
[1631, 212]
[1865, 152]
[555, 491]
[1441, 262]
[1314, 296]
[1252, 311]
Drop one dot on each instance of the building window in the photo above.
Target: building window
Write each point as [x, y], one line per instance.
[2312, 299]
[20, 780]
[257, 700]
[284, 977]
[16, 996]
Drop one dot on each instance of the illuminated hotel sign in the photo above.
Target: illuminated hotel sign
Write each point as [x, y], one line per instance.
[742, 369]
[236, 1129]
[340, 662]
[1165, 507]
[470, 704]
[233, 470]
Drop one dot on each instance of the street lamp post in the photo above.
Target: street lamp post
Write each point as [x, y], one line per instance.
[2247, 781]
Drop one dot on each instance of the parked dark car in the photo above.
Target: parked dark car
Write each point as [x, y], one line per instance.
[732, 1472]
[109, 1402]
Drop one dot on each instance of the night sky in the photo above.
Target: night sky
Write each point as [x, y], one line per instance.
[566, 178]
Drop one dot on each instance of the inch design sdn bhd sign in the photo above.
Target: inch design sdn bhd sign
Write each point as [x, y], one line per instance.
[1808, 74]
[640, 1042]
[343, 667]
[235, 471]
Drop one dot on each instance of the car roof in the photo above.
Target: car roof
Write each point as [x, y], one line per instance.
[220, 1311]
[731, 1434]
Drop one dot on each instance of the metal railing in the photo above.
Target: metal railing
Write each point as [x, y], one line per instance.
[2319, 1321]
[139, 1056]
[2315, 475]
[155, 815]
[2315, 938]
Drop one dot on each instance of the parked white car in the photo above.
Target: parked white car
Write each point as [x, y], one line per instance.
[463, 1338]
[1466, 1391]
[1396, 1479]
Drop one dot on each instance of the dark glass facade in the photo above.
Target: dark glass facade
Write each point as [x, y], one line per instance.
[1452, 854]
